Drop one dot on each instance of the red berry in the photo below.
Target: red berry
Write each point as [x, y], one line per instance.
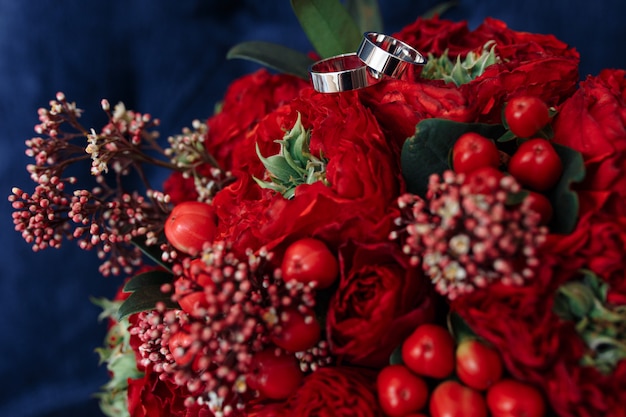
[400, 392]
[477, 365]
[526, 115]
[540, 203]
[275, 377]
[451, 399]
[180, 348]
[535, 164]
[511, 398]
[308, 260]
[472, 151]
[485, 180]
[190, 225]
[297, 333]
[429, 351]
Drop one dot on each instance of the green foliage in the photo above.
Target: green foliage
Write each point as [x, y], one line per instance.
[278, 57]
[565, 200]
[426, 152]
[294, 164]
[328, 26]
[146, 289]
[120, 361]
[460, 71]
[601, 325]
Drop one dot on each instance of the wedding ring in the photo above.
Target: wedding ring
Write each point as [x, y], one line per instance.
[386, 55]
[341, 73]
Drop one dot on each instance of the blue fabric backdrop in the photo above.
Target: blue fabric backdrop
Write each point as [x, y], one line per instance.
[165, 58]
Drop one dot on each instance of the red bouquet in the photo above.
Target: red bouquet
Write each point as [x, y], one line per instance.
[449, 239]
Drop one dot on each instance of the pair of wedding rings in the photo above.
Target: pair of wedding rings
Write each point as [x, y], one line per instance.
[378, 56]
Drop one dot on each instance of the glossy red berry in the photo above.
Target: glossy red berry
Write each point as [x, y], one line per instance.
[275, 377]
[511, 398]
[297, 333]
[536, 165]
[400, 392]
[542, 205]
[308, 260]
[429, 351]
[526, 115]
[452, 399]
[190, 225]
[472, 151]
[180, 346]
[477, 365]
[484, 180]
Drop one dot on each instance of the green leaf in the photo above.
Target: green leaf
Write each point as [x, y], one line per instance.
[153, 251]
[396, 356]
[146, 289]
[513, 199]
[278, 57]
[328, 25]
[506, 137]
[439, 9]
[458, 328]
[145, 299]
[564, 200]
[149, 278]
[366, 14]
[426, 152]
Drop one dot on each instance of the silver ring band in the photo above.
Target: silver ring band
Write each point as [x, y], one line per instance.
[341, 73]
[387, 55]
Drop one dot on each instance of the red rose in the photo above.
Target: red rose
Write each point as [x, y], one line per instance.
[247, 100]
[599, 244]
[379, 302]
[531, 64]
[153, 397]
[336, 392]
[362, 178]
[593, 122]
[399, 105]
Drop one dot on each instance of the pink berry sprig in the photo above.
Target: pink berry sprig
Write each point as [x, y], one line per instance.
[230, 309]
[100, 214]
[464, 239]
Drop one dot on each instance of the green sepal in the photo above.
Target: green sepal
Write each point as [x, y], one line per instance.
[426, 152]
[293, 165]
[146, 293]
[366, 14]
[328, 26]
[460, 71]
[277, 166]
[278, 57]
[564, 200]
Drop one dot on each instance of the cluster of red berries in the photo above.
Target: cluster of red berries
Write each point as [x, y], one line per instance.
[243, 328]
[535, 164]
[440, 378]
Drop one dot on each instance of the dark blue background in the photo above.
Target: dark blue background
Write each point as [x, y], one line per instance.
[165, 58]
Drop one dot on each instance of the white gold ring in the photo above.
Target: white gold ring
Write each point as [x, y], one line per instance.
[341, 73]
[386, 55]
